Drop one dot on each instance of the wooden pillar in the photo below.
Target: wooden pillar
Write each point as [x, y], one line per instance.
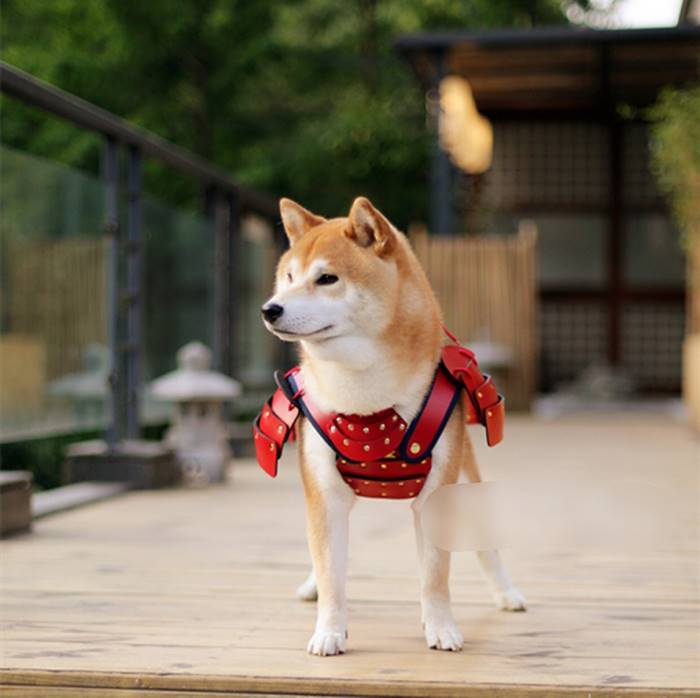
[441, 214]
[615, 244]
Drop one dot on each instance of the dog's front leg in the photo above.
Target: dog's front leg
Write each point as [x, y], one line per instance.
[327, 524]
[328, 504]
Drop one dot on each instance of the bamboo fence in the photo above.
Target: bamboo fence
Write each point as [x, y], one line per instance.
[53, 307]
[487, 289]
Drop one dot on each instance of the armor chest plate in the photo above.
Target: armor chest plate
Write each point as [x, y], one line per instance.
[381, 455]
[392, 478]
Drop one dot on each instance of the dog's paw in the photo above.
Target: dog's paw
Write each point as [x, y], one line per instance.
[308, 591]
[326, 643]
[510, 600]
[443, 635]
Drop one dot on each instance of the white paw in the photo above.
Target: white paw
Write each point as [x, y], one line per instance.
[443, 635]
[510, 600]
[326, 643]
[308, 591]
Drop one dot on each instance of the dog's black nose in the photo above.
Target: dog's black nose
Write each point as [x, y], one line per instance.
[272, 312]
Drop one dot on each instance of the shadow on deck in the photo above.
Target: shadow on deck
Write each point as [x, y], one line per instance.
[191, 592]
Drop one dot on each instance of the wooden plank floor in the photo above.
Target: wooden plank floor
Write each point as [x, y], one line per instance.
[190, 592]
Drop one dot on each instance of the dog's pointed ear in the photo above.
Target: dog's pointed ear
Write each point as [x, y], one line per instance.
[368, 227]
[297, 220]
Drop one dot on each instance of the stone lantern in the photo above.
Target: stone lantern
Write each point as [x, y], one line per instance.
[198, 434]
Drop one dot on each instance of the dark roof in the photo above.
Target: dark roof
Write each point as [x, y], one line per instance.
[559, 67]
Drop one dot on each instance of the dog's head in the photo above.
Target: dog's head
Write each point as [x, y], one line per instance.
[341, 279]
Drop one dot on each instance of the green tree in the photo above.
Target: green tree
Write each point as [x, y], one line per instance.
[305, 98]
[676, 155]
[675, 142]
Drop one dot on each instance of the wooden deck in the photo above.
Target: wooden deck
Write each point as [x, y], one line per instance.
[191, 592]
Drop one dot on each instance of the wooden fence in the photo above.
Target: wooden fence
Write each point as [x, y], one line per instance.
[486, 286]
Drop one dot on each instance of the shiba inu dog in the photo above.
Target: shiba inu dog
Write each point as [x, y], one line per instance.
[354, 296]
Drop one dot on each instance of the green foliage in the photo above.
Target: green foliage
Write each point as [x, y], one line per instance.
[44, 457]
[676, 155]
[305, 98]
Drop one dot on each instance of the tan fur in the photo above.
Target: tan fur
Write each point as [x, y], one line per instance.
[369, 340]
[469, 463]
[417, 325]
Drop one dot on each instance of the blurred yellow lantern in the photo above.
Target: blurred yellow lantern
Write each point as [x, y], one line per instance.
[465, 135]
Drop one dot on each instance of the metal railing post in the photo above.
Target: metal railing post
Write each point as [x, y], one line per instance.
[233, 280]
[211, 211]
[134, 250]
[222, 214]
[110, 178]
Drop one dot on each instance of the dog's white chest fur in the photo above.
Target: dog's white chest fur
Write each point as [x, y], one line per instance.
[366, 382]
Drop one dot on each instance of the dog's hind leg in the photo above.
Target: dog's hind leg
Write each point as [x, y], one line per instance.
[307, 590]
[506, 596]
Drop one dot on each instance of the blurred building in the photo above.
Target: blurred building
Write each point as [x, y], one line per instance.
[570, 152]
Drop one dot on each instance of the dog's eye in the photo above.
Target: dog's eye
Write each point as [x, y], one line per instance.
[326, 279]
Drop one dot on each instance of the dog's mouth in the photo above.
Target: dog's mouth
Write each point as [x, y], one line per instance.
[284, 334]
